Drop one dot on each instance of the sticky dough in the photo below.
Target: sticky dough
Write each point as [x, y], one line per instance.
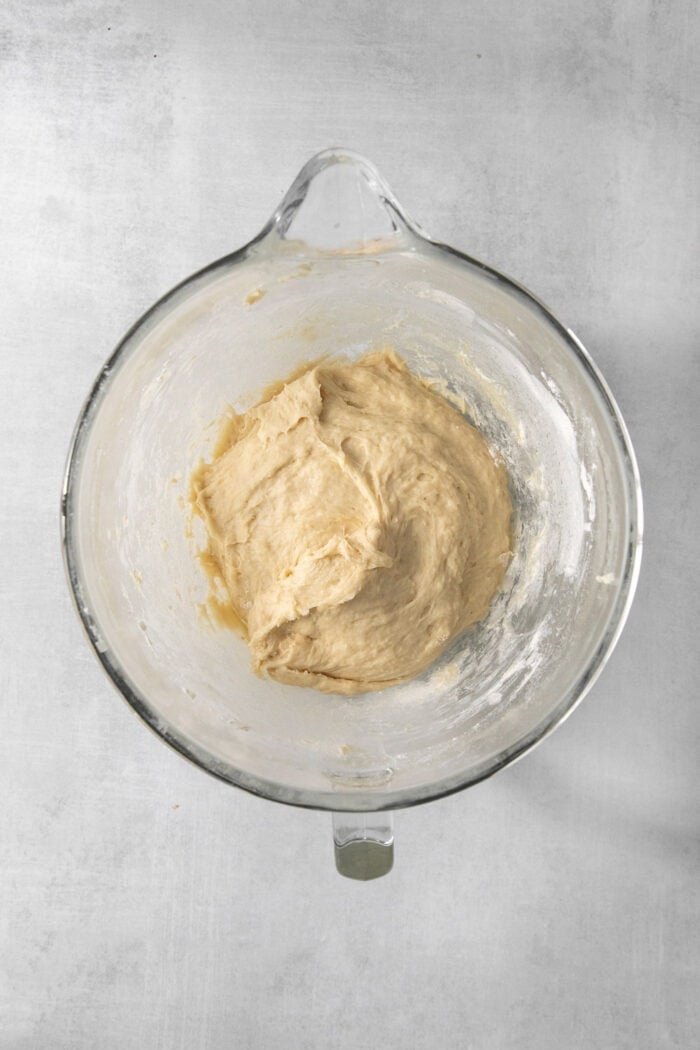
[358, 522]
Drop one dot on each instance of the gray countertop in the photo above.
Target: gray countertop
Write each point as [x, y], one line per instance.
[143, 904]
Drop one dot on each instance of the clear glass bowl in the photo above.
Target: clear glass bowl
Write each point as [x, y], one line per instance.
[339, 268]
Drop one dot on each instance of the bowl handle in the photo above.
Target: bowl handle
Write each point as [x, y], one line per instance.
[340, 203]
[364, 844]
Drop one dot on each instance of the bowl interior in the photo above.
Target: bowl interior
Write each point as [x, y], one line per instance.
[218, 341]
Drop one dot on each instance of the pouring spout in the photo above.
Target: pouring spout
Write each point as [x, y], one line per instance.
[340, 203]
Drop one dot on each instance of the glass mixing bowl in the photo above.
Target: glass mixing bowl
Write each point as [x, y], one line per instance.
[340, 269]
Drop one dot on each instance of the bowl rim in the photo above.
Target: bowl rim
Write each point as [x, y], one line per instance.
[355, 799]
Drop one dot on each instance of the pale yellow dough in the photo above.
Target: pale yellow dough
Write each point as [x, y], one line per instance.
[359, 523]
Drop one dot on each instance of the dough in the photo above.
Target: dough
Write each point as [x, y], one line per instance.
[358, 522]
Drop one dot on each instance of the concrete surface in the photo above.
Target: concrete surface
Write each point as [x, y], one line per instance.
[143, 905]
